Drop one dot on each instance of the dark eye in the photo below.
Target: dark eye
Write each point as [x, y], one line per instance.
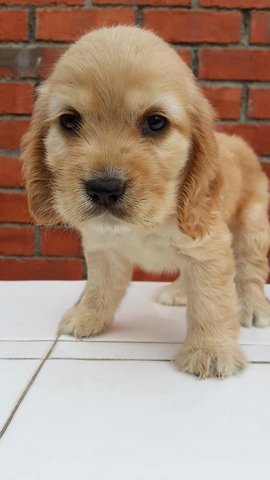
[70, 122]
[154, 124]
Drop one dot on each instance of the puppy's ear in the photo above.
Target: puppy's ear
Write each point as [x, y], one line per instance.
[199, 192]
[39, 181]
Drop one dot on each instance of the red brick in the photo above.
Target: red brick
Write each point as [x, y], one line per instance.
[41, 2]
[28, 61]
[11, 132]
[18, 61]
[266, 168]
[154, 3]
[185, 55]
[139, 275]
[225, 100]
[16, 97]
[60, 242]
[67, 24]
[13, 207]
[259, 103]
[230, 64]
[260, 27]
[49, 57]
[13, 25]
[258, 136]
[41, 269]
[185, 26]
[10, 172]
[236, 3]
[17, 240]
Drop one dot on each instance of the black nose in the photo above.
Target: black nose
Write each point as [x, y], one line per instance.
[105, 191]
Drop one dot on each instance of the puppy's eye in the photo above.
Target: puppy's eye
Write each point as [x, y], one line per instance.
[70, 122]
[154, 124]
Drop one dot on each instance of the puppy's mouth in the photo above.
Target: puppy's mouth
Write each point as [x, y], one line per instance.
[107, 196]
[110, 211]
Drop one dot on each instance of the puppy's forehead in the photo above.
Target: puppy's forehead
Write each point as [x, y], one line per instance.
[134, 101]
[124, 67]
[112, 91]
[155, 101]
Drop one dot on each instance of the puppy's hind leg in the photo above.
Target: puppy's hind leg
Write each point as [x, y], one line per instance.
[251, 239]
[172, 294]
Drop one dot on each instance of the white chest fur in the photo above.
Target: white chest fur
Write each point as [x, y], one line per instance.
[156, 251]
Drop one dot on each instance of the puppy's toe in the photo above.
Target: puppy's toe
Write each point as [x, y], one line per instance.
[261, 316]
[170, 295]
[246, 317]
[81, 321]
[258, 315]
[207, 361]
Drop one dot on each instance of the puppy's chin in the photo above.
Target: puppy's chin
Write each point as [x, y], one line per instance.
[106, 223]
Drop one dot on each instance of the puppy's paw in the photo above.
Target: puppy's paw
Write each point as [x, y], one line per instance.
[246, 317]
[258, 315]
[261, 314]
[209, 361]
[81, 321]
[170, 295]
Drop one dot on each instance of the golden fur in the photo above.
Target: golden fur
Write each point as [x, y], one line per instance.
[196, 200]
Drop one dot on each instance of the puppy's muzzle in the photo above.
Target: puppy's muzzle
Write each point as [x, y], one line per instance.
[105, 192]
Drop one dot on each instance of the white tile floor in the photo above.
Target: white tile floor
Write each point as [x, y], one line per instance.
[114, 407]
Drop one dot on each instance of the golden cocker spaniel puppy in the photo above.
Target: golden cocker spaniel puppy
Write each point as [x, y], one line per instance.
[122, 147]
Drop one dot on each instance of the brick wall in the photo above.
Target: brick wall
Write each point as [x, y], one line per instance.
[226, 43]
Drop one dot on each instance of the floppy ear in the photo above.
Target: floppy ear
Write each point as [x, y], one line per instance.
[39, 179]
[199, 192]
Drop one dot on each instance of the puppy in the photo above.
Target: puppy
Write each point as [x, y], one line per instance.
[122, 147]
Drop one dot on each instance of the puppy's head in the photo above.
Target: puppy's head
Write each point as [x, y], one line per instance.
[120, 133]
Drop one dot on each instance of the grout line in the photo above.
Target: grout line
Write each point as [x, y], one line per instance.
[12, 189]
[110, 359]
[205, 44]
[48, 257]
[195, 61]
[139, 20]
[79, 342]
[264, 159]
[195, 5]
[134, 342]
[84, 269]
[27, 387]
[37, 249]
[31, 25]
[14, 116]
[226, 82]
[259, 362]
[91, 359]
[245, 28]
[244, 105]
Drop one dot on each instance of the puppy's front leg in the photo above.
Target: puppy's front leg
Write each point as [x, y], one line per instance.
[211, 346]
[109, 274]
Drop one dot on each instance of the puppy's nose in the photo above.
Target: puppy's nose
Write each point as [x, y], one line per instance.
[105, 191]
